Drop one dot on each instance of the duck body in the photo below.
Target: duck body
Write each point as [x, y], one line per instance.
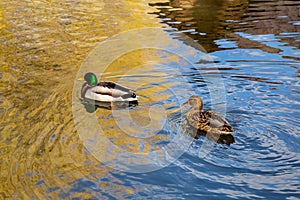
[106, 91]
[208, 123]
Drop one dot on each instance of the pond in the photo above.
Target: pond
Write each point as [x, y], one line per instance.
[241, 56]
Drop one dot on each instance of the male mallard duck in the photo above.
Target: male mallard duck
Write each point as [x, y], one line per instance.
[207, 122]
[105, 91]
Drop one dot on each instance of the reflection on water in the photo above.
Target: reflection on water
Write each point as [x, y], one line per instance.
[43, 44]
[207, 21]
[149, 133]
[255, 46]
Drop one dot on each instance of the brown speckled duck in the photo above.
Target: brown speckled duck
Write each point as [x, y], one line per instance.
[207, 122]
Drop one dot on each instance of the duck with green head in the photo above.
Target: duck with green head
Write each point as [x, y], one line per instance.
[105, 91]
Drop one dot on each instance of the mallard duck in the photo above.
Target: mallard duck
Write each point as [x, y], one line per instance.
[207, 122]
[105, 91]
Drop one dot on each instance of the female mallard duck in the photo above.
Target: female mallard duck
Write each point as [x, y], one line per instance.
[207, 122]
[105, 91]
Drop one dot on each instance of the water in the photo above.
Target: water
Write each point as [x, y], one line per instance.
[251, 75]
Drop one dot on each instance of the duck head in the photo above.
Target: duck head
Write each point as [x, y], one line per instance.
[91, 79]
[195, 102]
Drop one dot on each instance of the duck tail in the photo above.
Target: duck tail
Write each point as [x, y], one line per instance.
[226, 132]
[127, 96]
[220, 132]
[221, 137]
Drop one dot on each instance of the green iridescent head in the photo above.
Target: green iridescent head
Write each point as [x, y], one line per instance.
[91, 79]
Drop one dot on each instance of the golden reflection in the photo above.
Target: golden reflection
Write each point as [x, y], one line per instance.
[43, 44]
[137, 63]
[2, 25]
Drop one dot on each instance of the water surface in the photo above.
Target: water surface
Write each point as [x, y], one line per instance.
[254, 52]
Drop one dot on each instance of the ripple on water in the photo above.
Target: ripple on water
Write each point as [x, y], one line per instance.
[256, 50]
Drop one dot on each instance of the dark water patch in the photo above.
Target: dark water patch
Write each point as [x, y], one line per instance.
[207, 21]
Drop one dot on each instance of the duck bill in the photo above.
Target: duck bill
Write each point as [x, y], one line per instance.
[185, 104]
